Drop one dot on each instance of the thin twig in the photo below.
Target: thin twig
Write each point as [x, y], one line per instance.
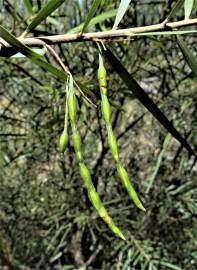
[89, 100]
[58, 59]
[66, 70]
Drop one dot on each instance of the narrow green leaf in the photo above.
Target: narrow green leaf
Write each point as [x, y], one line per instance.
[57, 233]
[98, 19]
[121, 11]
[158, 163]
[36, 58]
[175, 8]
[167, 265]
[141, 95]
[190, 58]
[56, 257]
[28, 6]
[188, 5]
[91, 13]
[50, 7]
[182, 32]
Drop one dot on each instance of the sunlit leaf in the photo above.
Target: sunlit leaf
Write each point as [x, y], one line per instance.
[50, 7]
[141, 95]
[121, 11]
[98, 19]
[190, 58]
[188, 5]
[91, 13]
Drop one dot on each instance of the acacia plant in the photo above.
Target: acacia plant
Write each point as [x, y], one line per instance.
[45, 52]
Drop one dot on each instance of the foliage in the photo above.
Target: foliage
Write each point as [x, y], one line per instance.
[46, 218]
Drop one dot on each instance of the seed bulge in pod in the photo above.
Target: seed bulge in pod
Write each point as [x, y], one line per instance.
[85, 175]
[105, 107]
[103, 214]
[113, 144]
[123, 175]
[72, 108]
[77, 145]
[102, 76]
[63, 141]
[94, 198]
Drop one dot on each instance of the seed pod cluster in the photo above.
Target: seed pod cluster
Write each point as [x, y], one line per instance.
[84, 172]
[112, 142]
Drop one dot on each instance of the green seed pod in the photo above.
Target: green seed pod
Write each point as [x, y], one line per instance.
[79, 156]
[103, 214]
[93, 195]
[77, 145]
[63, 141]
[105, 107]
[110, 223]
[85, 175]
[107, 219]
[125, 180]
[72, 107]
[123, 175]
[95, 199]
[118, 232]
[113, 144]
[102, 76]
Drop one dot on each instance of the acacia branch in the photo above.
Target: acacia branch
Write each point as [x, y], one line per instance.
[7, 50]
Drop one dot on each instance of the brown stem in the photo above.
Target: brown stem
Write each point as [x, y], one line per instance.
[95, 36]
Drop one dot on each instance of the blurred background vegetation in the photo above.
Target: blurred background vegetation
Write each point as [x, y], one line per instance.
[46, 219]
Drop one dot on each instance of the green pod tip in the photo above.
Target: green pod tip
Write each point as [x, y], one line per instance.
[96, 202]
[104, 215]
[63, 141]
[118, 232]
[127, 184]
